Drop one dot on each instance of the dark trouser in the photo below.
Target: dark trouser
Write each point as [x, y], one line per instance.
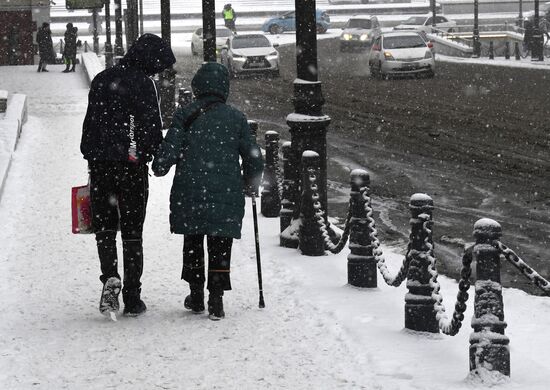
[119, 193]
[42, 64]
[230, 24]
[219, 259]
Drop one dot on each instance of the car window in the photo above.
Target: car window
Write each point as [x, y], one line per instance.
[403, 42]
[359, 23]
[428, 22]
[440, 19]
[242, 42]
[198, 31]
[415, 20]
[288, 15]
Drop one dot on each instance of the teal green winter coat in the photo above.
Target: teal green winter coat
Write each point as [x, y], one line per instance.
[207, 194]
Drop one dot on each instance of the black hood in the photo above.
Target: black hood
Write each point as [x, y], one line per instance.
[150, 53]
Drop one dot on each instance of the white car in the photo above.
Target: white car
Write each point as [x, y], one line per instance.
[401, 53]
[424, 24]
[250, 53]
[222, 33]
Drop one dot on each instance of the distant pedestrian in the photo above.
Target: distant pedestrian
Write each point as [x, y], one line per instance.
[69, 53]
[205, 142]
[528, 36]
[121, 133]
[45, 47]
[229, 16]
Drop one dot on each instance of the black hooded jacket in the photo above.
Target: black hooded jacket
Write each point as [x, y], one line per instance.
[123, 120]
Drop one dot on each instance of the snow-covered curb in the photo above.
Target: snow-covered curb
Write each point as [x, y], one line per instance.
[512, 63]
[92, 64]
[10, 129]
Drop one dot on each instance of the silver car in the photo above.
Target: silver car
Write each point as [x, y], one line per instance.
[222, 33]
[250, 53]
[401, 53]
[359, 32]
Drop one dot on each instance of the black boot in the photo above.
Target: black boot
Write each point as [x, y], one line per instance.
[215, 305]
[66, 70]
[195, 300]
[133, 305]
[73, 68]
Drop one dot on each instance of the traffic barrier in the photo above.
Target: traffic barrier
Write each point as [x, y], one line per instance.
[424, 310]
[287, 203]
[271, 201]
[491, 50]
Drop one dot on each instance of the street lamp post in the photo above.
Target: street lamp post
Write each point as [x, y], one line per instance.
[209, 30]
[119, 49]
[520, 15]
[140, 17]
[537, 46]
[108, 46]
[475, 39]
[308, 125]
[94, 32]
[433, 13]
[168, 77]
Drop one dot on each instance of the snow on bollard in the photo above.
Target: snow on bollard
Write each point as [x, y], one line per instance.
[287, 203]
[311, 239]
[362, 270]
[489, 349]
[419, 305]
[271, 201]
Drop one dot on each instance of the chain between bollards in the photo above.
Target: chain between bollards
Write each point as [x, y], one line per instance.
[527, 271]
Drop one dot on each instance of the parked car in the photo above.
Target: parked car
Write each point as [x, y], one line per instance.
[250, 53]
[359, 32]
[424, 23]
[401, 53]
[222, 33]
[287, 22]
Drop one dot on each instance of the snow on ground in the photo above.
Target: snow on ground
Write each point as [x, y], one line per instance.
[499, 61]
[315, 332]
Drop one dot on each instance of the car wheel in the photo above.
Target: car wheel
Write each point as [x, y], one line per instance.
[193, 51]
[430, 74]
[276, 73]
[321, 29]
[275, 29]
[451, 30]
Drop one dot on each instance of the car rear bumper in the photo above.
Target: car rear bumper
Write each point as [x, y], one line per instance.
[400, 67]
[245, 65]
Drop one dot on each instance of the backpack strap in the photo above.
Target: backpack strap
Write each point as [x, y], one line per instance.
[198, 112]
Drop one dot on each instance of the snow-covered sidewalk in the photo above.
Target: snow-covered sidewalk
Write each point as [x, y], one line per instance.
[315, 333]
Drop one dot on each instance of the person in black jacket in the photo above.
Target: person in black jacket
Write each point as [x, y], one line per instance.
[45, 47]
[69, 53]
[121, 133]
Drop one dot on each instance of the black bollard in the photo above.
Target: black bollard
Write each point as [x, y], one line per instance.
[270, 201]
[516, 51]
[507, 51]
[253, 128]
[287, 203]
[488, 344]
[311, 241]
[419, 304]
[61, 46]
[491, 51]
[362, 270]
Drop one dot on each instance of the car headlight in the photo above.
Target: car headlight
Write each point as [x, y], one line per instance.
[388, 55]
[428, 54]
[237, 56]
[346, 37]
[273, 53]
[364, 37]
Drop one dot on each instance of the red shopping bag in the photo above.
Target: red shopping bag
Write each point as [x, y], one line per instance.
[82, 210]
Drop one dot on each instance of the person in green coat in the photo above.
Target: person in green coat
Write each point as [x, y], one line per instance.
[205, 141]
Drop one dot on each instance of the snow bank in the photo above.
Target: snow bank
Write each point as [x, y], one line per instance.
[11, 125]
[92, 64]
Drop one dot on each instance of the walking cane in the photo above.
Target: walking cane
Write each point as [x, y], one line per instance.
[258, 261]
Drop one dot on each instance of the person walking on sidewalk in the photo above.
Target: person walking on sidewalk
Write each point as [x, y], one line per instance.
[229, 16]
[122, 131]
[45, 47]
[69, 53]
[207, 198]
